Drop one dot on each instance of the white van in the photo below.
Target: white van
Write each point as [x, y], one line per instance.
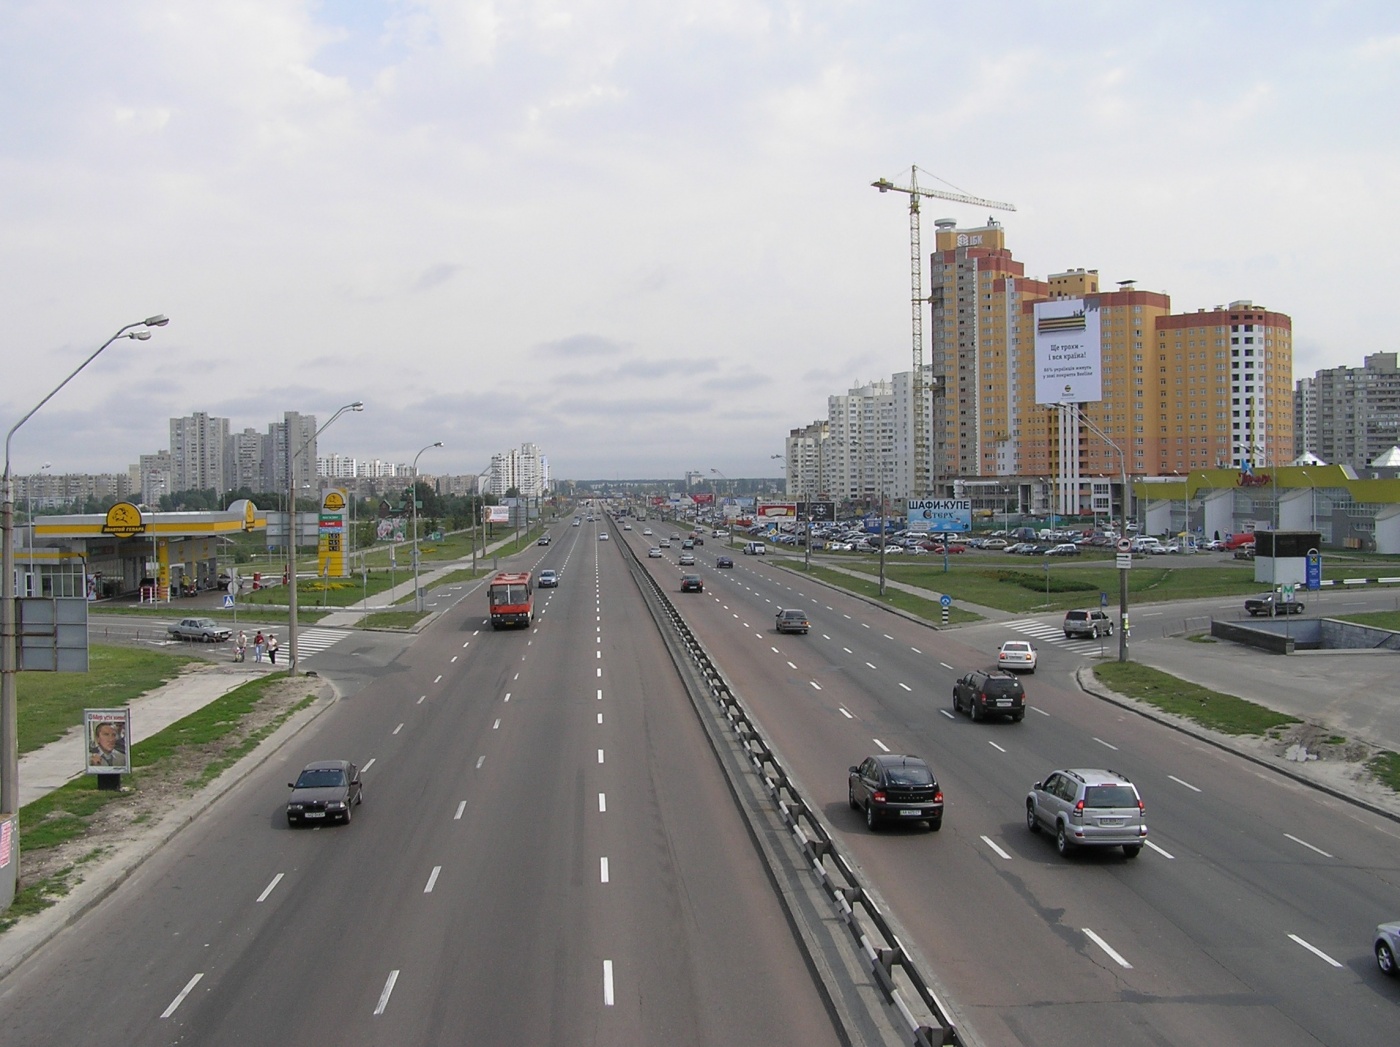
[1147, 545]
[755, 549]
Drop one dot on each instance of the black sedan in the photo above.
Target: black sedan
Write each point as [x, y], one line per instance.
[724, 561]
[894, 788]
[691, 583]
[325, 790]
[1272, 604]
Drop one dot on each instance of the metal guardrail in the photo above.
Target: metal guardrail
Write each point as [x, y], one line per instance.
[892, 966]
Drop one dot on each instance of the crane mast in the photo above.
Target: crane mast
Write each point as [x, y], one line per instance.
[921, 479]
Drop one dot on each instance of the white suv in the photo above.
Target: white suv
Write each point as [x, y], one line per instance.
[1088, 808]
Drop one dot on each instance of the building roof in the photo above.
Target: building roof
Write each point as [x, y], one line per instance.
[1389, 460]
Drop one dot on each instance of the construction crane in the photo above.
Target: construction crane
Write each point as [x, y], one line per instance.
[916, 299]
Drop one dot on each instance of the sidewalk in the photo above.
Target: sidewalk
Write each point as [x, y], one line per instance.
[45, 769]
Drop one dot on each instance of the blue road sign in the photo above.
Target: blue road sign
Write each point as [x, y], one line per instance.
[228, 600]
[946, 600]
[1103, 599]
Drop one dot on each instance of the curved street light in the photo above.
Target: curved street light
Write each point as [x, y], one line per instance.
[417, 596]
[292, 535]
[9, 709]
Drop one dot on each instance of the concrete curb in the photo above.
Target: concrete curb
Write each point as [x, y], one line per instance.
[31, 934]
[1086, 682]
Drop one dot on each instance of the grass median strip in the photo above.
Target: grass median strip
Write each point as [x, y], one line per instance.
[1218, 711]
[928, 609]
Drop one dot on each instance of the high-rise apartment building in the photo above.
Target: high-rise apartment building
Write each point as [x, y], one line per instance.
[1350, 415]
[525, 470]
[197, 452]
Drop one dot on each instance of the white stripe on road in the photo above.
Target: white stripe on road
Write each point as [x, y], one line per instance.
[268, 889]
[947, 666]
[1106, 745]
[1038, 709]
[398, 728]
[883, 747]
[815, 684]
[1309, 846]
[906, 687]
[607, 983]
[603, 868]
[1107, 948]
[1180, 782]
[388, 990]
[844, 713]
[988, 841]
[602, 802]
[480, 760]
[600, 755]
[432, 879]
[438, 680]
[367, 766]
[183, 993]
[946, 713]
[1314, 950]
[1164, 854]
[461, 807]
[997, 747]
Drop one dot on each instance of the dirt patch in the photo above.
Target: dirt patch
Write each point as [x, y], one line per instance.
[151, 792]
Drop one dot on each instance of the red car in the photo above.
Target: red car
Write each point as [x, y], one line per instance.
[1237, 540]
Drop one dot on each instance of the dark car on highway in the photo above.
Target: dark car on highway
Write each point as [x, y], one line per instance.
[990, 692]
[325, 790]
[893, 788]
[691, 583]
[724, 561]
[1272, 604]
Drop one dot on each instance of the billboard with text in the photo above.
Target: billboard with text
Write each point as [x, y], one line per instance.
[1068, 350]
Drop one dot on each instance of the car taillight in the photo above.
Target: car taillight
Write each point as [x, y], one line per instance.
[1142, 809]
[878, 796]
[1079, 809]
[938, 796]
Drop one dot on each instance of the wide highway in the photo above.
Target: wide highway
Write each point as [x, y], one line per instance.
[1247, 919]
[547, 853]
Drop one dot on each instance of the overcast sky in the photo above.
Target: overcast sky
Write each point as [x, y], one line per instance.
[639, 234]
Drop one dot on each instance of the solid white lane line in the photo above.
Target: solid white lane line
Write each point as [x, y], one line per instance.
[268, 889]
[1314, 950]
[883, 747]
[1106, 745]
[1309, 846]
[600, 755]
[438, 680]
[367, 766]
[946, 713]
[1180, 782]
[815, 684]
[432, 879]
[906, 687]
[603, 868]
[844, 713]
[602, 803]
[480, 760]
[997, 747]
[461, 807]
[1164, 854]
[398, 728]
[388, 991]
[1038, 709]
[988, 841]
[607, 983]
[1107, 948]
[183, 993]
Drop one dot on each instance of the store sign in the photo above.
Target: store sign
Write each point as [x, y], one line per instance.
[939, 514]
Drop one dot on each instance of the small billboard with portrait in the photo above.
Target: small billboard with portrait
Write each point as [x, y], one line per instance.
[107, 736]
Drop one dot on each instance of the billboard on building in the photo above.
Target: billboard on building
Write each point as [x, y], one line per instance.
[939, 514]
[1068, 350]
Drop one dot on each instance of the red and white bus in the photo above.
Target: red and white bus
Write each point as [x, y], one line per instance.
[511, 597]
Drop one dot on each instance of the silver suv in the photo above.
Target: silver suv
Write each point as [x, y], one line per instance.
[1088, 808]
[1093, 624]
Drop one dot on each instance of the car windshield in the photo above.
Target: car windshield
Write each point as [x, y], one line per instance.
[321, 778]
[509, 594]
[910, 774]
[1016, 647]
[1109, 796]
[794, 614]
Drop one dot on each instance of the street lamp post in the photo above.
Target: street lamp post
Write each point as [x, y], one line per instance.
[417, 596]
[9, 705]
[29, 492]
[292, 536]
[1122, 535]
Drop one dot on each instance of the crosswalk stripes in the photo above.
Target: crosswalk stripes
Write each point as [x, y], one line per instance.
[1056, 635]
[310, 641]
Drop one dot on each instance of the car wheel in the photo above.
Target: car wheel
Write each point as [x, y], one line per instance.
[1063, 844]
[1018, 717]
[973, 710]
[851, 796]
[1132, 850]
[1030, 671]
[934, 824]
[870, 821]
[1032, 823]
[1068, 636]
[291, 822]
[957, 706]
[1385, 959]
[1096, 632]
[348, 808]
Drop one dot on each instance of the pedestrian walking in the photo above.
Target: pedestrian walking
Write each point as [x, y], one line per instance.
[259, 645]
[272, 648]
[240, 647]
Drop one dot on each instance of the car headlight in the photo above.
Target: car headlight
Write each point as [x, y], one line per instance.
[295, 807]
[334, 805]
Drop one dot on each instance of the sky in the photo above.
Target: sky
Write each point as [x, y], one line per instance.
[640, 235]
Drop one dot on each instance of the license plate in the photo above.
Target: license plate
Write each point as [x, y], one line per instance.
[1003, 701]
[1111, 821]
[911, 814]
[314, 814]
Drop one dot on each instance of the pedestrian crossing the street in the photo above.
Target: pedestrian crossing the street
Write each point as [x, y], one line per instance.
[1056, 635]
[310, 641]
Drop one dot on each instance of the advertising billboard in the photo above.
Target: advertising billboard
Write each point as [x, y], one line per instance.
[1068, 350]
[939, 514]
[498, 514]
[106, 733]
[777, 510]
[332, 526]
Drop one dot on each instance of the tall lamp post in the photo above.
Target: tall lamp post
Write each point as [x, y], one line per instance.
[479, 525]
[417, 596]
[1122, 533]
[29, 492]
[9, 705]
[292, 536]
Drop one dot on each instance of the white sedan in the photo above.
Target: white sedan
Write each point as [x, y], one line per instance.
[654, 553]
[1016, 656]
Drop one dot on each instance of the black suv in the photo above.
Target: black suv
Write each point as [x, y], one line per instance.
[990, 692]
[895, 788]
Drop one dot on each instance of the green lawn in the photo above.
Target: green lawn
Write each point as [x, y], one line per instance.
[928, 609]
[1378, 619]
[1221, 712]
[50, 703]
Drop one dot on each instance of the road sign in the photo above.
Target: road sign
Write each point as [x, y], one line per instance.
[228, 601]
[1288, 593]
[946, 600]
[1125, 545]
[232, 586]
[1125, 561]
[1103, 599]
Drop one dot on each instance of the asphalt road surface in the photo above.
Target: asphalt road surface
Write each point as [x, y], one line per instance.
[547, 853]
[1248, 919]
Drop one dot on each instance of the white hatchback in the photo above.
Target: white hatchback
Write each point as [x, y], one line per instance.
[1016, 656]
